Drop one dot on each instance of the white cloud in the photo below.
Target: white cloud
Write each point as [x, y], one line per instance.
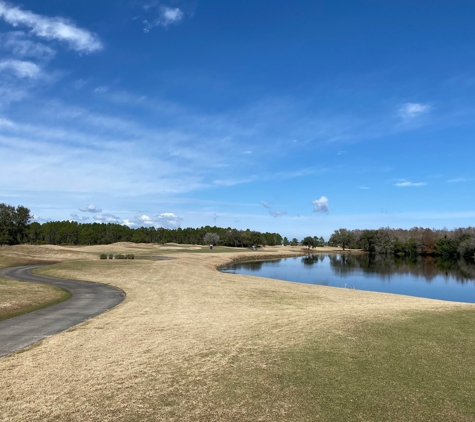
[169, 220]
[21, 69]
[405, 184]
[18, 43]
[457, 180]
[321, 205]
[166, 16]
[55, 28]
[90, 208]
[364, 187]
[108, 218]
[75, 217]
[129, 223]
[410, 111]
[145, 219]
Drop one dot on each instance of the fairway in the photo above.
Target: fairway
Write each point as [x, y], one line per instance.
[192, 344]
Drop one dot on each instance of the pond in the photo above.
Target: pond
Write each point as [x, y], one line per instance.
[427, 277]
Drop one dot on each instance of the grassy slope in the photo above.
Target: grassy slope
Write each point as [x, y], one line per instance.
[205, 346]
[420, 368]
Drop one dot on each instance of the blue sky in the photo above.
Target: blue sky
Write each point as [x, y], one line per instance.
[293, 117]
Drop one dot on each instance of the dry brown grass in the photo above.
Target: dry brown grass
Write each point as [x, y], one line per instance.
[17, 298]
[176, 348]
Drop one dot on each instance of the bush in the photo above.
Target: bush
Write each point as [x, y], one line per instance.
[130, 256]
[120, 256]
[103, 256]
[111, 256]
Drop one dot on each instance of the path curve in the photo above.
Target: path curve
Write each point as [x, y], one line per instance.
[88, 300]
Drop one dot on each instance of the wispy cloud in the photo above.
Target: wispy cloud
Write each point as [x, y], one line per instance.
[21, 69]
[55, 28]
[75, 217]
[19, 44]
[409, 111]
[167, 16]
[457, 180]
[321, 205]
[5, 123]
[108, 218]
[406, 184]
[272, 212]
[90, 208]
[363, 187]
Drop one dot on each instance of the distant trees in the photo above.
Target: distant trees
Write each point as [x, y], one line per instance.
[342, 238]
[416, 241]
[13, 224]
[14, 228]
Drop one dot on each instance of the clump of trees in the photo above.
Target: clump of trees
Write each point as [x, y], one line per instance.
[416, 241]
[313, 242]
[13, 224]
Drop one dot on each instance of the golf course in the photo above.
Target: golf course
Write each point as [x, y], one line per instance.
[190, 343]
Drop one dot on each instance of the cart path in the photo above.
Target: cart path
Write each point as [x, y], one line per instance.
[88, 300]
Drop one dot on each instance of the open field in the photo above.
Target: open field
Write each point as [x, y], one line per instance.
[193, 344]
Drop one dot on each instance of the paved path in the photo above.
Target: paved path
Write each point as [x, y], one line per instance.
[88, 300]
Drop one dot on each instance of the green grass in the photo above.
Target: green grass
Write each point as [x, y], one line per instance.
[421, 368]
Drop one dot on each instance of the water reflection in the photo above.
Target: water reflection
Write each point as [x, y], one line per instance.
[426, 267]
[441, 278]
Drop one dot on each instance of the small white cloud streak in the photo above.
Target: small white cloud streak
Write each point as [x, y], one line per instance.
[409, 111]
[21, 69]
[272, 212]
[277, 213]
[55, 28]
[265, 204]
[90, 208]
[407, 184]
[321, 205]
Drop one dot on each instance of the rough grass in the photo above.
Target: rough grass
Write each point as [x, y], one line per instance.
[18, 298]
[192, 344]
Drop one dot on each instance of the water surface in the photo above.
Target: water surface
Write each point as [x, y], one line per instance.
[421, 276]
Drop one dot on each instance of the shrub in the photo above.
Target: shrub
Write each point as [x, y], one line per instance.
[103, 256]
[111, 256]
[130, 256]
[120, 256]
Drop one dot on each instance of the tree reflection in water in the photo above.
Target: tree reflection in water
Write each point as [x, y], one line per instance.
[386, 266]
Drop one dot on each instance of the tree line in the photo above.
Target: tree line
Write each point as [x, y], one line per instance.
[15, 229]
[416, 241]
